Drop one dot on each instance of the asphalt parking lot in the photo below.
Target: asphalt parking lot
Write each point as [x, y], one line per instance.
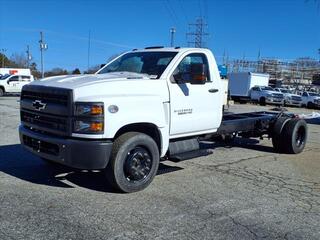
[242, 192]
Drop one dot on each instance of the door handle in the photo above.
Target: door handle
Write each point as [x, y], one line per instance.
[213, 90]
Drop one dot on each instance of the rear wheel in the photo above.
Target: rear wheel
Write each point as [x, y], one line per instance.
[295, 136]
[134, 162]
[1, 92]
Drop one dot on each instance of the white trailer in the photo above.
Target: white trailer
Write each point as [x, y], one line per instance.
[241, 83]
[15, 71]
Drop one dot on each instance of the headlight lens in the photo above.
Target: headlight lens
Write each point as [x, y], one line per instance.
[88, 118]
[89, 109]
[88, 126]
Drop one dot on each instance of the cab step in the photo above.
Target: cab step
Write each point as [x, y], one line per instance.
[189, 155]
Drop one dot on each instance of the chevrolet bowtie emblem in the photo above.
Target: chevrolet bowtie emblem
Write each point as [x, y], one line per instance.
[38, 105]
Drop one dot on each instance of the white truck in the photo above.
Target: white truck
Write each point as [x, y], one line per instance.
[265, 94]
[144, 106]
[310, 99]
[13, 83]
[290, 98]
[241, 83]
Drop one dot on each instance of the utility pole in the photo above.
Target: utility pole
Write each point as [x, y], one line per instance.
[29, 57]
[43, 47]
[89, 46]
[198, 34]
[3, 50]
[172, 32]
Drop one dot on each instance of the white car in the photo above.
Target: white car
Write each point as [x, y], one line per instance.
[265, 94]
[311, 99]
[290, 98]
[13, 83]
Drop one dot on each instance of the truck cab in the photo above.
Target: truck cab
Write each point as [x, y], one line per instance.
[13, 83]
[134, 106]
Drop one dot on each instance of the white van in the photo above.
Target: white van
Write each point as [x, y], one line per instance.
[13, 83]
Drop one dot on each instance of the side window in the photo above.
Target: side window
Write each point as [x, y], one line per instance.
[305, 94]
[25, 78]
[183, 73]
[14, 79]
[255, 89]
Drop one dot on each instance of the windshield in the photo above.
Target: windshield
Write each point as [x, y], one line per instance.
[4, 76]
[266, 88]
[285, 91]
[151, 63]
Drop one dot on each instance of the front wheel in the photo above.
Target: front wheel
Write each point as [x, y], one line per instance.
[1, 92]
[262, 101]
[134, 162]
[310, 105]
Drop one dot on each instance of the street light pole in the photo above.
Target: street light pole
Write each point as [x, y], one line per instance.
[172, 32]
[43, 46]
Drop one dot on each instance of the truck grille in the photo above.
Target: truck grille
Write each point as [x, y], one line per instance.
[44, 121]
[296, 98]
[55, 112]
[41, 146]
[46, 97]
[277, 95]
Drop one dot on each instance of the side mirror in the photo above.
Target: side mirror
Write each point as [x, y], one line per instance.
[198, 73]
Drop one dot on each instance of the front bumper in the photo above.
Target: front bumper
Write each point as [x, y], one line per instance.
[293, 102]
[81, 154]
[272, 100]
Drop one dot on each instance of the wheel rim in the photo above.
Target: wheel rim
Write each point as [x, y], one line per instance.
[301, 135]
[137, 165]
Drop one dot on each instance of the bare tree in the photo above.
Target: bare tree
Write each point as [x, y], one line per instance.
[19, 59]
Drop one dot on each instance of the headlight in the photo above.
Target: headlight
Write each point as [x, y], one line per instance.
[88, 126]
[88, 109]
[88, 118]
[269, 95]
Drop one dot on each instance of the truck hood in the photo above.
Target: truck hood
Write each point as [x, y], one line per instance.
[274, 92]
[77, 81]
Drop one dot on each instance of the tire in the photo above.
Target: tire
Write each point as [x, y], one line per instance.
[295, 134]
[310, 105]
[1, 92]
[262, 101]
[277, 134]
[134, 162]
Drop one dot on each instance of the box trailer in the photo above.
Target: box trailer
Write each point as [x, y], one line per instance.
[241, 83]
[15, 71]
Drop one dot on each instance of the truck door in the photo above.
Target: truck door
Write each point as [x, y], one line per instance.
[12, 84]
[194, 108]
[255, 93]
[23, 80]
